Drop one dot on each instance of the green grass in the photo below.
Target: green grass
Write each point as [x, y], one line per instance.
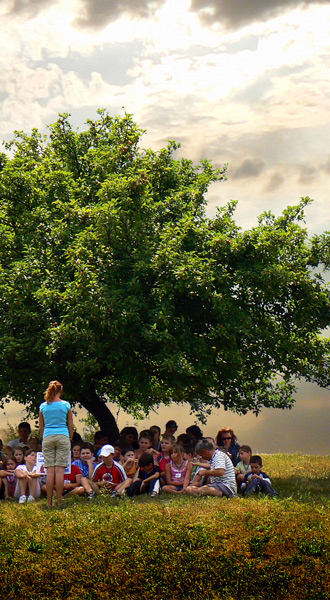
[176, 548]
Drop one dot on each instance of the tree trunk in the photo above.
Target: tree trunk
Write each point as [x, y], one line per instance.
[99, 409]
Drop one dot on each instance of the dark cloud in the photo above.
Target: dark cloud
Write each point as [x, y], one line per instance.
[236, 13]
[249, 168]
[95, 14]
[27, 8]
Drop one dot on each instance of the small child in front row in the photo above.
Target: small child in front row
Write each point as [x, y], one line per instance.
[243, 467]
[257, 480]
[178, 471]
[128, 462]
[146, 478]
[28, 486]
[8, 476]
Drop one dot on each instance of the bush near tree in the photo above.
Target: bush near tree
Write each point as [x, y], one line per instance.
[114, 281]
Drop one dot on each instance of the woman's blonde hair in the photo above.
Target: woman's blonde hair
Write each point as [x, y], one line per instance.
[54, 388]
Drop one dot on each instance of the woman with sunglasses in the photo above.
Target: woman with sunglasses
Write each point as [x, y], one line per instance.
[228, 440]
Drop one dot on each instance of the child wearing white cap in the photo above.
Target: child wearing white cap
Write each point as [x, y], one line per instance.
[108, 474]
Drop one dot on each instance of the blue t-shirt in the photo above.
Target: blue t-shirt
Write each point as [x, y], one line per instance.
[55, 416]
[84, 468]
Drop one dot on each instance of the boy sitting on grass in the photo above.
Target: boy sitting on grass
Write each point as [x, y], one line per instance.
[146, 478]
[108, 475]
[257, 480]
[243, 467]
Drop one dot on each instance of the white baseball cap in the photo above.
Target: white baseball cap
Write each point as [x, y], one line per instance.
[107, 450]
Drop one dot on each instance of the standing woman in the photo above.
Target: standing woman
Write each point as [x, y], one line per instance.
[56, 428]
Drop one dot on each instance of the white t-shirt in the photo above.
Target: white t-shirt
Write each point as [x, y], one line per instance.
[38, 485]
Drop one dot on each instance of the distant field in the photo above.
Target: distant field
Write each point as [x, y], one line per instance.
[173, 549]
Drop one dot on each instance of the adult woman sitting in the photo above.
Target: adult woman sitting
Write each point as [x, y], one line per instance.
[228, 440]
[56, 428]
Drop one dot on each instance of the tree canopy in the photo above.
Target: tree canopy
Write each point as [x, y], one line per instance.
[114, 281]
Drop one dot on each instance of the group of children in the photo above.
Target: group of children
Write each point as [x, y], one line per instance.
[134, 465]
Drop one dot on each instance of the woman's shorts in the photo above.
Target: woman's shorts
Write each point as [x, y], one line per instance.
[56, 450]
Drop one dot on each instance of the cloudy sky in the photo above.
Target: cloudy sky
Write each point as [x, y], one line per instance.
[244, 82]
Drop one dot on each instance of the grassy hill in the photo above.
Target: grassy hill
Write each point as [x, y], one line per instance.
[176, 548]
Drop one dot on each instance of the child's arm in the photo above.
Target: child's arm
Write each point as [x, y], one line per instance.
[204, 465]
[168, 474]
[136, 474]
[145, 481]
[153, 452]
[22, 474]
[188, 476]
[90, 467]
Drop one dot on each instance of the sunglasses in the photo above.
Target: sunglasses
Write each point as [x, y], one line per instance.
[226, 438]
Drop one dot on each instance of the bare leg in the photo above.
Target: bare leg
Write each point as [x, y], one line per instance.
[22, 486]
[209, 491]
[50, 482]
[192, 490]
[77, 490]
[124, 485]
[59, 483]
[171, 489]
[32, 486]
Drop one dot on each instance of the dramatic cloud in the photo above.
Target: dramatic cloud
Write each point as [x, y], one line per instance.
[25, 7]
[236, 13]
[97, 13]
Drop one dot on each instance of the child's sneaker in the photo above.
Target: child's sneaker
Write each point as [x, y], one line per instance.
[31, 499]
[91, 495]
[22, 499]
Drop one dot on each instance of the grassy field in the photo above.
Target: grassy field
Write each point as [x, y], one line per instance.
[176, 548]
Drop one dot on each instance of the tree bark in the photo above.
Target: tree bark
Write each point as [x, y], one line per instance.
[99, 409]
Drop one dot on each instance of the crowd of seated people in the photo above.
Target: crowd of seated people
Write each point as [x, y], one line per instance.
[148, 462]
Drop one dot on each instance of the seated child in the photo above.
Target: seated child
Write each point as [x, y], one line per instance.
[87, 464]
[108, 474]
[75, 451]
[243, 467]
[19, 454]
[257, 480]
[177, 472]
[73, 482]
[28, 480]
[8, 452]
[146, 478]
[128, 461]
[198, 463]
[165, 456]
[100, 440]
[8, 476]
[145, 444]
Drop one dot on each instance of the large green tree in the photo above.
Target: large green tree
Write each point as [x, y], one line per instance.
[114, 281]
